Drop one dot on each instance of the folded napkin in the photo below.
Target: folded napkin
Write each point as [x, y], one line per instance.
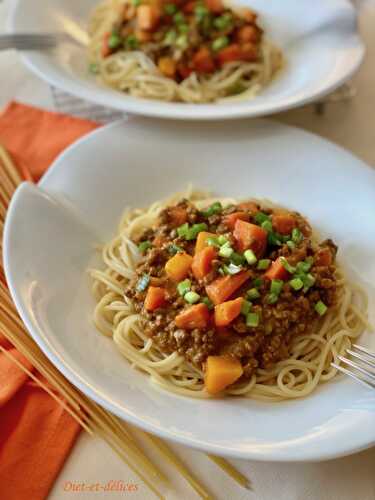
[36, 434]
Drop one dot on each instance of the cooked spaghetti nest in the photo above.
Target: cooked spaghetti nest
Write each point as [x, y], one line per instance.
[136, 72]
[311, 354]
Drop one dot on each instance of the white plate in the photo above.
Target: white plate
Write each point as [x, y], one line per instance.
[52, 229]
[319, 39]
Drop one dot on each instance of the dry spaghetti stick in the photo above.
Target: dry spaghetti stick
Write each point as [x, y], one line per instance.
[10, 167]
[230, 470]
[166, 451]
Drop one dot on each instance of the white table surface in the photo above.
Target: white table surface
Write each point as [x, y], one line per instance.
[350, 124]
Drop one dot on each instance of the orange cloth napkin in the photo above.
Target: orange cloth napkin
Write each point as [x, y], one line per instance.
[36, 434]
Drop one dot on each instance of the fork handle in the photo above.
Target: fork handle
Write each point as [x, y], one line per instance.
[21, 41]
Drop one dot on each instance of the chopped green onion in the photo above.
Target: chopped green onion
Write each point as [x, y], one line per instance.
[213, 209]
[183, 28]
[94, 68]
[226, 251]
[223, 22]
[258, 282]
[114, 41]
[170, 9]
[170, 37]
[296, 283]
[208, 302]
[183, 287]
[284, 237]
[237, 259]
[250, 257]
[144, 245]
[222, 240]
[261, 217]
[182, 41]
[143, 283]
[287, 266]
[220, 43]
[263, 264]
[183, 230]
[173, 249]
[276, 286]
[320, 308]
[272, 298]
[267, 225]
[297, 236]
[273, 238]
[308, 281]
[232, 269]
[303, 267]
[246, 307]
[291, 244]
[200, 12]
[191, 297]
[131, 42]
[195, 229]
[252, 320]
[212, 242]
[253, 294]
[179, 18]
[136, 3]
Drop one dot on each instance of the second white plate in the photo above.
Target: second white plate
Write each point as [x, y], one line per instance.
[319, 39]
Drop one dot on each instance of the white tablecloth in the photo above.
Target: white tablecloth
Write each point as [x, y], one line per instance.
[350, 124]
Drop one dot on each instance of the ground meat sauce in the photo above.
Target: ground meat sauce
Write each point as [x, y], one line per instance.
[286, 289]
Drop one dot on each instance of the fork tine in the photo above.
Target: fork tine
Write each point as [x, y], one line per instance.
[356, 366]
[363, 349]
[341, 369]
[361, 358]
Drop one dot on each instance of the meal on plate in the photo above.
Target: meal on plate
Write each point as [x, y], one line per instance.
[193, 51]
[223, 296]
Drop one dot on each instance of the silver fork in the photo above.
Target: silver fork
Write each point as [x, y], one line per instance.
[32, 41]
[363, 370]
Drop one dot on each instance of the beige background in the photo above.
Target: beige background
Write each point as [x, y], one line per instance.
[350, 124]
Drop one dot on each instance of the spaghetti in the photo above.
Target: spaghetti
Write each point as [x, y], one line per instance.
[310, 353]
[182, 60]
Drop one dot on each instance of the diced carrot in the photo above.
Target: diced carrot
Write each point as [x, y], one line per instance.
[247, 33]
[249, 52]
[155, 298]
[189, 7]
[222, 288]
[202, 262]
[230, 53]
[323, 257]
[226, 312]
[196, 316]
[106, 50]
[215, 6]
[167, 66]
[249, 16]
[220, 372]
[203, 61]
[202, 240]
[250, 206]
[283, 223]
[231, 219]
[176, 215]
[276, 271]
[251, 236]
[178, 266]
[147, 17]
